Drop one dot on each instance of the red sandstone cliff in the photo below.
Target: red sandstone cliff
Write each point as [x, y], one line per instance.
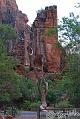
[31, 48]
[45, 48]
[10, 14]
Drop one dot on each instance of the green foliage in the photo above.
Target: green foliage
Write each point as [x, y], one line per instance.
[29, 89]
[9, 80]
[53, 93]
[63, 104]
[50, 32]
[74, 74]
[58, 45]
[7, 32]
[69, 31]
[70, 85]
[35, 106]
[5, 97]
[28, 105]
[51, 96]
[12, 86]
[9, 83]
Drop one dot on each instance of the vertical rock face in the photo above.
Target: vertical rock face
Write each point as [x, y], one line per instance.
[22, 29]
[33, 47]
[8, 11]
[9, 14]
[46, 53]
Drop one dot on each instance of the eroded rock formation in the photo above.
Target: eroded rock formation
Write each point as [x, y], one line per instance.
[10, 14]
[32, 46]
[45, 48]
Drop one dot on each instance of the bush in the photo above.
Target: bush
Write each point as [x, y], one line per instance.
[28, 105]
[35, 106]
[63, 104]
[51, 97]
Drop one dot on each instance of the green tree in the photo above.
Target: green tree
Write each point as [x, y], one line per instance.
[69, 32]
[70, 85]
[70, 35]
[29, 89]
[7, 33]
[9, 79]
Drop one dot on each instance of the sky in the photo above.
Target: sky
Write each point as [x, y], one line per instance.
[30, 7]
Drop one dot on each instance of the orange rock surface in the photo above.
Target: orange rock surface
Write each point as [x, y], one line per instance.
[46, 46]
[32, 47]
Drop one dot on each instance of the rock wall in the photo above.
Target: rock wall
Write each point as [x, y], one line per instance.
[45, 50]
[32, 46]
[10, 14]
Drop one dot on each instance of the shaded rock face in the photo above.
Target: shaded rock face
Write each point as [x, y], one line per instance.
[8, 10]
[45, 52]
[9, 14]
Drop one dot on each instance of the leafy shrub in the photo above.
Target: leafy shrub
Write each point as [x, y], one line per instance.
[63, 104]
[35, 106]
[51, 97]
[28, 105]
